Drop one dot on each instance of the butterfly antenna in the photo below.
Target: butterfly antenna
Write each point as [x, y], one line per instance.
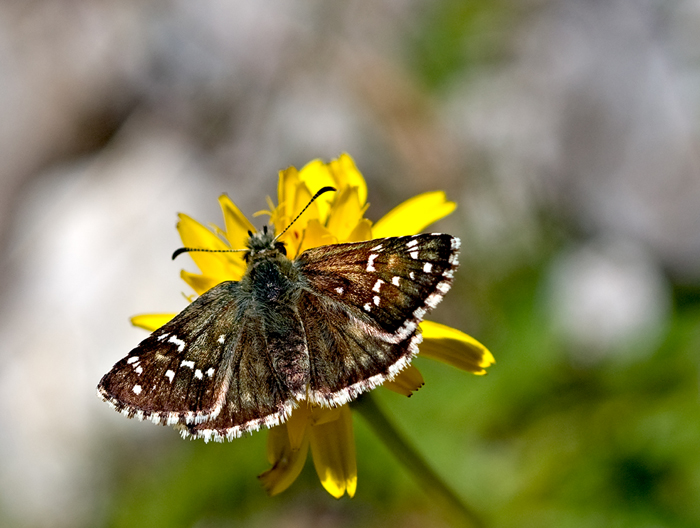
[313, 198]
[182, 250]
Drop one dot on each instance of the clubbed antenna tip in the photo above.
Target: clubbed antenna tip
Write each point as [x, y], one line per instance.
[180, 251]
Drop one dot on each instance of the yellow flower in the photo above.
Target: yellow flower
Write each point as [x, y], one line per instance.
[332, 219]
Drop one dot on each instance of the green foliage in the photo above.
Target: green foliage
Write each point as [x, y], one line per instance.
[457, 36]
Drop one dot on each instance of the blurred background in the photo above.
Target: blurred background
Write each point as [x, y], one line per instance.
[567, 132]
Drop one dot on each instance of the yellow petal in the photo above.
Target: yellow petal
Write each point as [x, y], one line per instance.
[346, 174]
[316, 235]
[286, 462]
[276, 216]
[286, 195]
[362, 231]
[455, 348]
[151, 322]
[345, 213]
[316, 175]
[406, 382]
[223, 266]
[294, 235]
[414, 215]
[301, 201]
[199, 283]
[333, 450]
[297, 425]
[324, 415]
[237, 225]
[307, 415]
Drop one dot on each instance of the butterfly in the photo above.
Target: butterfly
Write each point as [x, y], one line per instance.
[333, 323]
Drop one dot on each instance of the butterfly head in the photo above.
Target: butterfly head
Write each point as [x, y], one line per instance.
[263, 243]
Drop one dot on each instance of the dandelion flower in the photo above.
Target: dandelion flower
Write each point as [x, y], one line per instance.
[333, 218]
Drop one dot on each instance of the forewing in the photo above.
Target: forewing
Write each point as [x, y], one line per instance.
[180, 374]
[362, 305]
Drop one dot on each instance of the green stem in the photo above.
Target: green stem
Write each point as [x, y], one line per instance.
[413, 461]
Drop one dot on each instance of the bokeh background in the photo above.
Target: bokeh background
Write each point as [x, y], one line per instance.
[566, 130]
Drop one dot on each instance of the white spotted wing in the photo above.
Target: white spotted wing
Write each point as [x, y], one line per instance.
[362, 305]
[180, 374]
[337, 321]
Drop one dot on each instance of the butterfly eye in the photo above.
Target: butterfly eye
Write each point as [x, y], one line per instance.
[279, 246]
